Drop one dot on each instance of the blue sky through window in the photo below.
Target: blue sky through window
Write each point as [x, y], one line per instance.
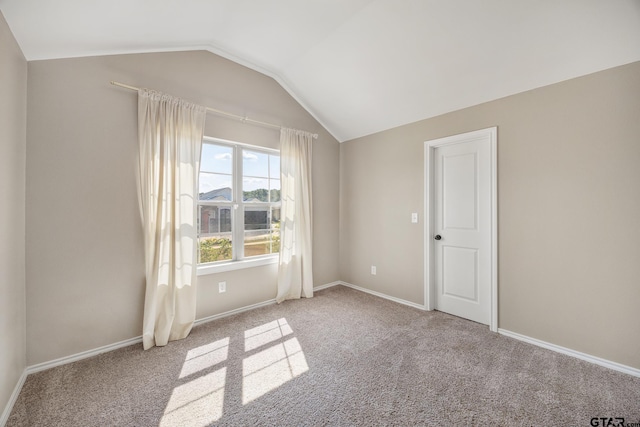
[216, 158]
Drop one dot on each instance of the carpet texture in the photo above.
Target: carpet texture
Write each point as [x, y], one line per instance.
[342, 358]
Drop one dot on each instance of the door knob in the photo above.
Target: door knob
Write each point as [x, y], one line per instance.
[438, 237]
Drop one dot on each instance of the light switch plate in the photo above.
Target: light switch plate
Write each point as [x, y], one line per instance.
[414, 218]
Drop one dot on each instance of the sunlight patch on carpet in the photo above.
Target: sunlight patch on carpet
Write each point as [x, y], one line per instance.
[264, 334]
[205, 356]
[196, 403]
[269, 369]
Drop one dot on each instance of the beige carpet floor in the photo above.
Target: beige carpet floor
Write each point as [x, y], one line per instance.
[342, 358]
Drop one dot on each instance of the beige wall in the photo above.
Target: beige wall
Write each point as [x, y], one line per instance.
[85, 269]
[13, 125]
[569, 210]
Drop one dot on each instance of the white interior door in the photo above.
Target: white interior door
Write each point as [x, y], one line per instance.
[462, 234]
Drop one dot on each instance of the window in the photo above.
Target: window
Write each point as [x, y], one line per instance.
[238, 203]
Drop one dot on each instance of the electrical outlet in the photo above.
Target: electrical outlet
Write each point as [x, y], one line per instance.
[373, 270]
[222, 287]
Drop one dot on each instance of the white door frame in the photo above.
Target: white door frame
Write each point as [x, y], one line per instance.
[429, 280]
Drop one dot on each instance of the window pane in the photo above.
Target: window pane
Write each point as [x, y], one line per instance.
[255, 190]
[256, 218]
[274, 185]
[214, 221]
[221, 185]
[216, 158]
[214, 234]
[262, 231]
[255, 163]
[213, 249]
[275, 230]
[215, 186]
[275, 235]
[275, 218]
[274, 166]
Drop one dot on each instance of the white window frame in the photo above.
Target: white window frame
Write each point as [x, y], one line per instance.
[237, 261]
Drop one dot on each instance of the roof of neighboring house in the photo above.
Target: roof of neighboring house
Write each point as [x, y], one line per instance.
[220, 194]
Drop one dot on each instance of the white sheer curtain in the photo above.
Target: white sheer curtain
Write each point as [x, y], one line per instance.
[295, 272]
[170, 134]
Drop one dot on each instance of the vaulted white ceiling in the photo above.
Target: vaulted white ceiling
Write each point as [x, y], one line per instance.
[358, 66]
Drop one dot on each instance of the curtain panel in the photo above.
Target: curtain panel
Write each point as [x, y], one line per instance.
[170, 132]
[295, 270]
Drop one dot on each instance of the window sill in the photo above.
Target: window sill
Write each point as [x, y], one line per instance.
[236, 265]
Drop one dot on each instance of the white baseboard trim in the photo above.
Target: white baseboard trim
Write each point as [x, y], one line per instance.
[573, 353]
[234, 311]
[328, 285]
[82, 355]
[385, 296]
[12, 399]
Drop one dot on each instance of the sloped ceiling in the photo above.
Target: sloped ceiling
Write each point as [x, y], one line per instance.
[359, 66]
